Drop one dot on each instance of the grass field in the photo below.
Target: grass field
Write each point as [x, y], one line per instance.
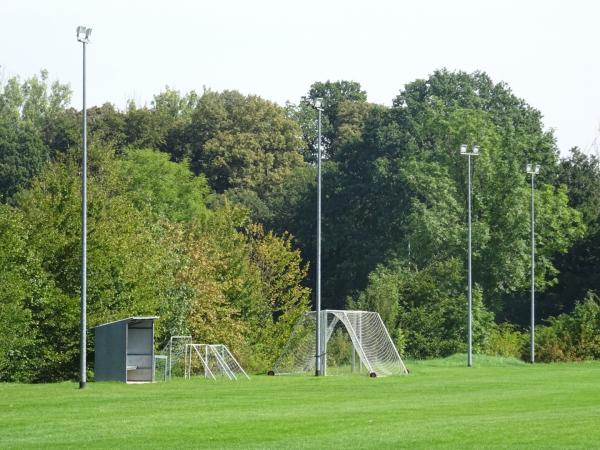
[497, 403]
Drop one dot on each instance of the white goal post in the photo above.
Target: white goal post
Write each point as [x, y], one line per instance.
[175, 352]
[368, 336]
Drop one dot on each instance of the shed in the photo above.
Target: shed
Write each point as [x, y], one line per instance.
[124, 350]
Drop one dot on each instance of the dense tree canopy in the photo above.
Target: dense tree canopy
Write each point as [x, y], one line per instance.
[28, 123]
[153, 248]
[396, 180]
[202, 210]
[578, 267]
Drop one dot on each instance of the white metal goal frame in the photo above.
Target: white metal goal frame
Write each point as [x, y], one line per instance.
[214, 359]
[175, 351]
[165, 362]
[368, 335]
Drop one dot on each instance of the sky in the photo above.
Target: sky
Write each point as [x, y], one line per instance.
[547, 51]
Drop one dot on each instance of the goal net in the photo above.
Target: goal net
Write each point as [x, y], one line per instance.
[174, 352]
[212, 361]
[350, 340]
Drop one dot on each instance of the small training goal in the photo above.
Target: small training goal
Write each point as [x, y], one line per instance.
[357, 340]
[212, 361]
[175, 354]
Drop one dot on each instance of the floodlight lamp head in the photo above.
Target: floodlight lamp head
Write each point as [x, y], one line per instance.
[318, 102]
[463, 149]
[83, 34]
[537, 169]
[476, 150]
[528, 168]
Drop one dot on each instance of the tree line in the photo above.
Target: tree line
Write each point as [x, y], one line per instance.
[202, 210]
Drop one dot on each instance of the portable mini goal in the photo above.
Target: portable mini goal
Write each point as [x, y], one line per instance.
[369, 338]
[175, 353]
[213, 360]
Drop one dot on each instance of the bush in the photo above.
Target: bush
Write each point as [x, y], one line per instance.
[339, 349]
[571, 337]
[505, 340]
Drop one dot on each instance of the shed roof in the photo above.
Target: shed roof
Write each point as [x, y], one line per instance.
[128, 319]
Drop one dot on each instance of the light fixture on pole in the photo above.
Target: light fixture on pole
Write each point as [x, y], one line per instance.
[474, 152]
[532, 170]
[317, 103]
[83, 36]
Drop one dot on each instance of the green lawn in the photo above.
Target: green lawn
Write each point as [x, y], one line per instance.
[497, 403]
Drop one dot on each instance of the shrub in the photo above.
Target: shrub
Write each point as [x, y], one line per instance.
[505, 340]
[339, 349]
[572, 337]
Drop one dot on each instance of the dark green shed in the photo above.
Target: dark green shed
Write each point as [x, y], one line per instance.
[124, 350]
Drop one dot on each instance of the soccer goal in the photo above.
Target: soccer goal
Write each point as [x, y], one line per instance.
[357, 340]
[175, 354]
[213, 360]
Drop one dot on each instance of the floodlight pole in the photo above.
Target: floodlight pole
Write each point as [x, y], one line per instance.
[83, 37]
[474, 152]
[533, 171]
[318, 361]
[470, 288]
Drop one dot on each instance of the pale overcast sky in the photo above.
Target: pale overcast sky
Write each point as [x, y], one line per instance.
[547, 51]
